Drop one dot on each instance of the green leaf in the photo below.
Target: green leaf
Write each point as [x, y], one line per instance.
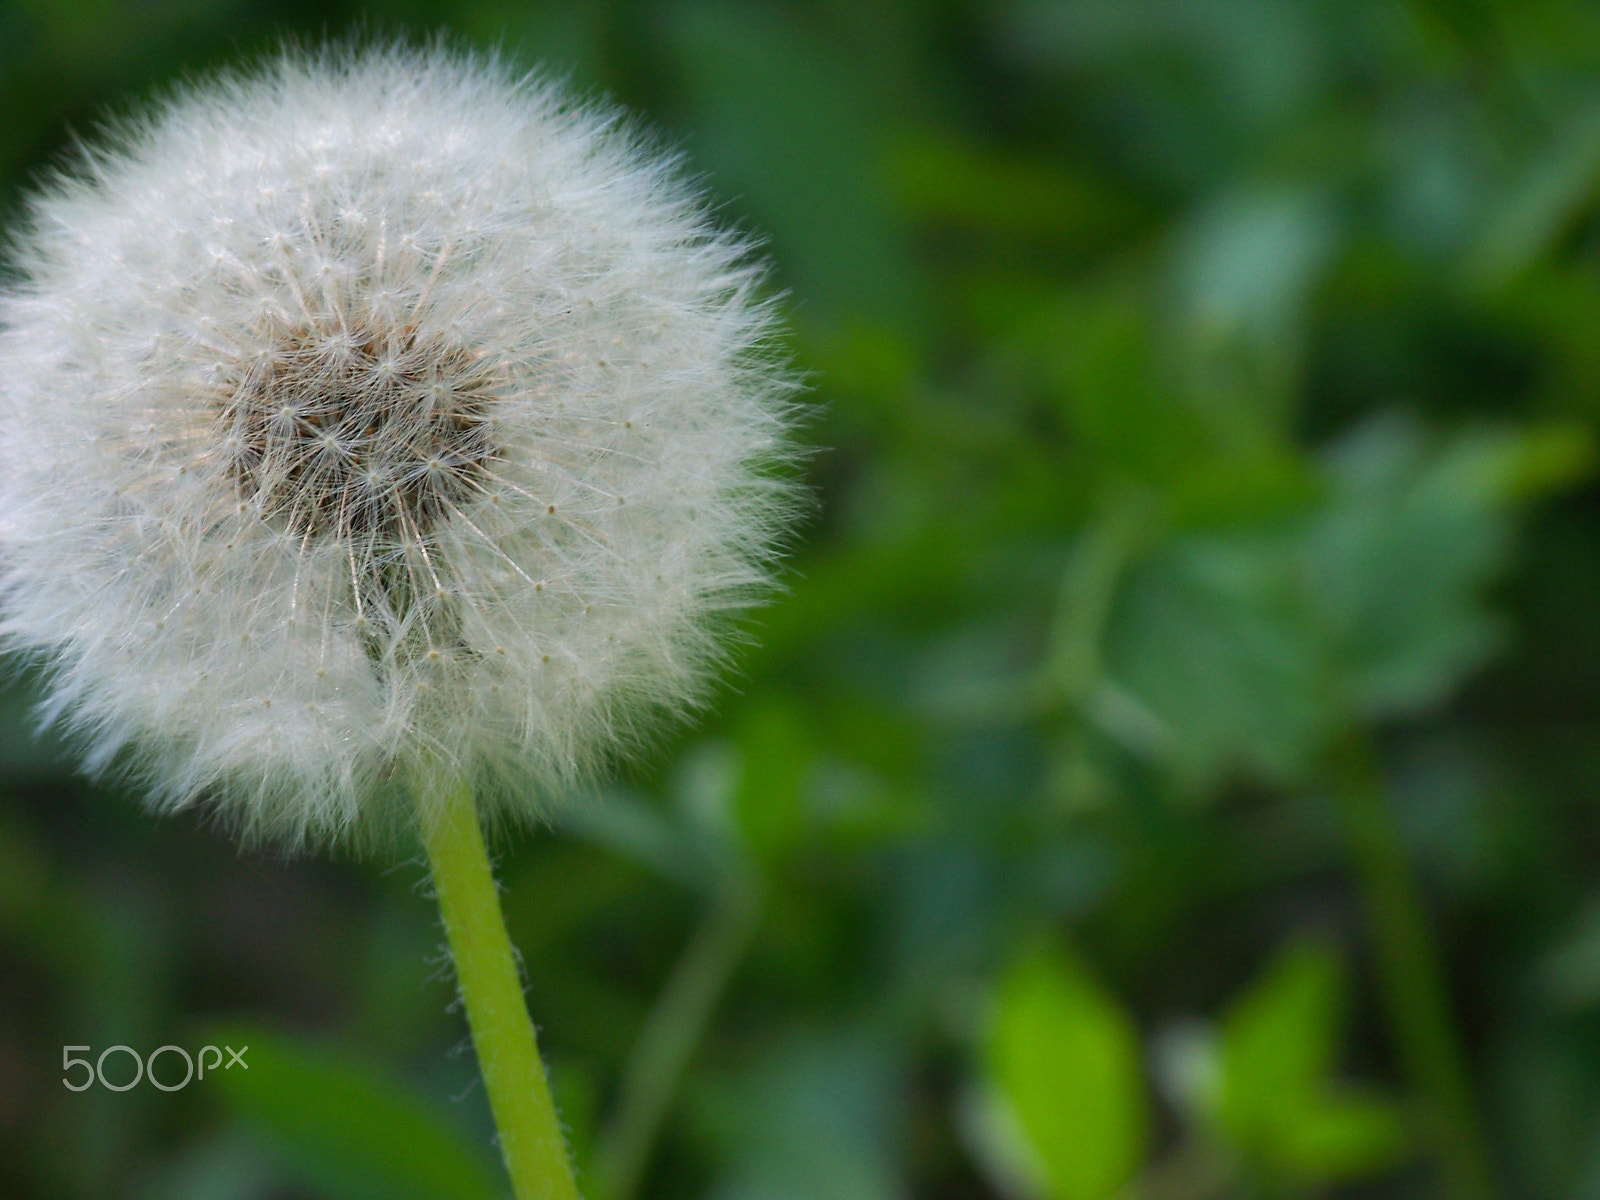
[628, 826]
[1276, 1097]
[1212, 638]
[1555, 192]
[1065, 1057]
[1278, 1041]
[1258, 482]
[1247, 266]
[1342, 1137]
[1100, 365]
[1548, 458]
[810, 1118]
[1252, 646]
[787, 123]
[343, 1127]
[1398, 565]
[776, 755]
[943, 180]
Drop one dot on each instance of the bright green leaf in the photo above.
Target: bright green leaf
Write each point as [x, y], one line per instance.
[1277, 1098]
[1342, 1137]
[1066, 1059]
[1278, 1041]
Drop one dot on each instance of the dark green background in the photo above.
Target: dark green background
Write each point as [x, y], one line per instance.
[1205, 512]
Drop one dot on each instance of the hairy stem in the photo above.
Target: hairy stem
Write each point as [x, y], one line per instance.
[531, 1141]
[674, 1028]
[1410, 973]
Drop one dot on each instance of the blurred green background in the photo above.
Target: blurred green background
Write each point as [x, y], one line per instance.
[1172, 772]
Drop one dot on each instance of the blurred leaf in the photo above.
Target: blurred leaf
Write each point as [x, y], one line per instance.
[807, 1120]
[787, 124]
[1257, 482]
[1181, 84]
[1211, 637]
[1548, 458]
[1556, 190]
[1252, 647]
[1066, 1060]
[1570, 971]
[775, 758]
[344, 1127]
[991, 1130]
[1100, 363]
[1245, 272]
[232, 1165]
[1343, 1137]
[626, 825]
[939, 179]
[1101, 557]
[1399, 562]
[1275, 1094]
[1279, 1039]
[1259, 52]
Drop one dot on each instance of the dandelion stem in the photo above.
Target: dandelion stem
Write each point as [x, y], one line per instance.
[531, 1141]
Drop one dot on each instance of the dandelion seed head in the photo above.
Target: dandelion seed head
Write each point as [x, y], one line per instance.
[372, 414]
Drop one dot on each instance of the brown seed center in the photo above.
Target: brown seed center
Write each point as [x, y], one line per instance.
[375, 435]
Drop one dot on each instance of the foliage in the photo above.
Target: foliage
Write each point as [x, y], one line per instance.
[1199, 605]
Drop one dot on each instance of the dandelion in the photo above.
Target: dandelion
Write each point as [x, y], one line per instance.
[373, 413]
[373, 424]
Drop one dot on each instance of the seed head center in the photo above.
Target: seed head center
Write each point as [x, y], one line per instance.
[375, 435]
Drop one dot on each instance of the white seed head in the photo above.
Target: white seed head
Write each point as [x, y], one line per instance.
[372, 415]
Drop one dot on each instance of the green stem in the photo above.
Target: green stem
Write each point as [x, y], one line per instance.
[531, 1141]
[1409, 970]
[1108, 548]
[676, 1025]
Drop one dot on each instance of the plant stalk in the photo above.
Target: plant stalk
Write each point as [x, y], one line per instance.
[1410, 973]
[531, 1141]
[674, 1029]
